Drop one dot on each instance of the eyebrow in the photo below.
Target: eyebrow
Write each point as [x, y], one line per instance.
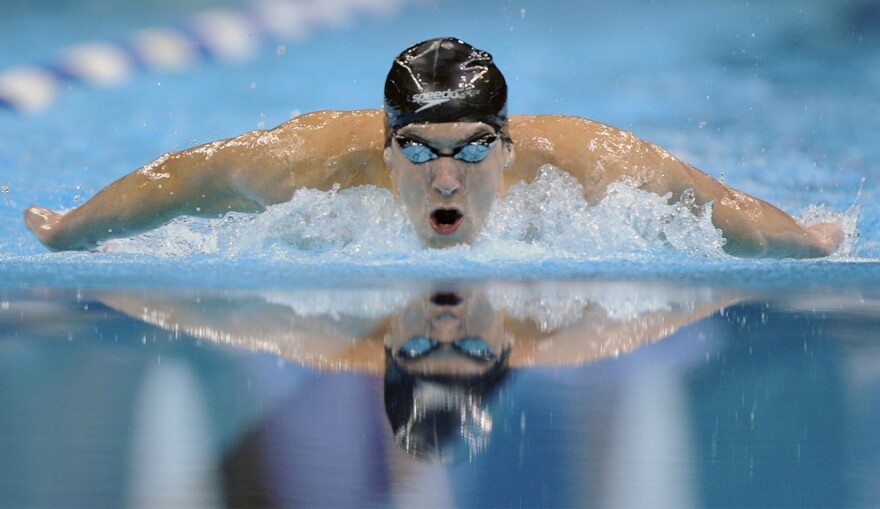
[476, 134]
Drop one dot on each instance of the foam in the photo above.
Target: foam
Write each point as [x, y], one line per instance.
[552, 215]
[545, 219]
[554, 305]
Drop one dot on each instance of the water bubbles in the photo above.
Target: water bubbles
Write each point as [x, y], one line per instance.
[364, 224]
[545, 220]
[551, 216]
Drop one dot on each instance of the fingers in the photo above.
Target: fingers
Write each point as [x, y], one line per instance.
[827, 236]
[42, 221]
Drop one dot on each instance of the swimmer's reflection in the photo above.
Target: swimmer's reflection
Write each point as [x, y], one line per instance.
[445, 352]
[445, 356]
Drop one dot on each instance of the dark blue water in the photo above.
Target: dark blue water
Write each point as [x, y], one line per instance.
[736, 397]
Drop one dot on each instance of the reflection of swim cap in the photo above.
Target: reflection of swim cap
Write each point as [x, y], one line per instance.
[445, 80]
[442, 418]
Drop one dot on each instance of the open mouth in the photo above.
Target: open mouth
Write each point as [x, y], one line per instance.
[446, 299]
[446, 221]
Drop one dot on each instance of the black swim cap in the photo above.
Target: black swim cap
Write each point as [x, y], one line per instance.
[445, 80]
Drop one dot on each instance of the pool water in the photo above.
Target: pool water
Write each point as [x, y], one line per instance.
[243, 360]
[616, 394]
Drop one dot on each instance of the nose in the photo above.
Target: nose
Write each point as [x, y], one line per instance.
[446, 326]
[445, 180]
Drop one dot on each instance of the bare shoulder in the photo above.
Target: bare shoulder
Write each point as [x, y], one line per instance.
[331, 130]
[336, 119]
[596, 154]
[317, 150]
[526, 123]
[568, 132]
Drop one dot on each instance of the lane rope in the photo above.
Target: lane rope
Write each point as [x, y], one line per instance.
[229, 35]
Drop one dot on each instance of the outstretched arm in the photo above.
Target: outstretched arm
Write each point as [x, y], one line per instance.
[254, 322]
[751, 226]
[598, 155]
[244, 174]
[601, 333]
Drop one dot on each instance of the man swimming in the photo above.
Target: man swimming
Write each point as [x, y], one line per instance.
[443, 144]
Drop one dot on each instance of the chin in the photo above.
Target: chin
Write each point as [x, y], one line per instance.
[436, 240]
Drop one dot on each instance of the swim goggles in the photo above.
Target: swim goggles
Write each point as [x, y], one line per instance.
[471, 152]
[419, 346]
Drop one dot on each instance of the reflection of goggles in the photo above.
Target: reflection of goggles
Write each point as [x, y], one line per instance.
[419, 346]
[420, 152]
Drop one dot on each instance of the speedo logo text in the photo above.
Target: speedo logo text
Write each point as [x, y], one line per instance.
[431, 99]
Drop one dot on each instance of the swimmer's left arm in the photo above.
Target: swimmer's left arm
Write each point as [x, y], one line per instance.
[752, 227]
[598, 155]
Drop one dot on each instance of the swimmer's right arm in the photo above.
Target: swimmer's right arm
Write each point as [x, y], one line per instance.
[182, 183]
[243, 174]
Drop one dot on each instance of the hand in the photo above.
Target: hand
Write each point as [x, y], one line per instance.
[42, 221]
[827, 236]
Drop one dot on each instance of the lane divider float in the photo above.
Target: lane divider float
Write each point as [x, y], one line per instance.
[225, 35]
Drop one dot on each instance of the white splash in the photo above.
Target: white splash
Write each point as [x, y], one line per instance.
[551, 215]
[541, 221]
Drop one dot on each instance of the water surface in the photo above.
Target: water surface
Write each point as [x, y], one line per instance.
[612, 393]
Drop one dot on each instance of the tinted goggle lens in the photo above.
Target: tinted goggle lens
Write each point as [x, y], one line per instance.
[420, 346]
[471, 152]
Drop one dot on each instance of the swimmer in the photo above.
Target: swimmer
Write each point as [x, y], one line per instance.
[443, 144]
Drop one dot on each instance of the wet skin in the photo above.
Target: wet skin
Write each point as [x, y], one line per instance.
[447, 317]
[448, 199]
[318, 150]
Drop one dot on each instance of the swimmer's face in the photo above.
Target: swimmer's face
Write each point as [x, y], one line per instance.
[447, 176]
[448, 333]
